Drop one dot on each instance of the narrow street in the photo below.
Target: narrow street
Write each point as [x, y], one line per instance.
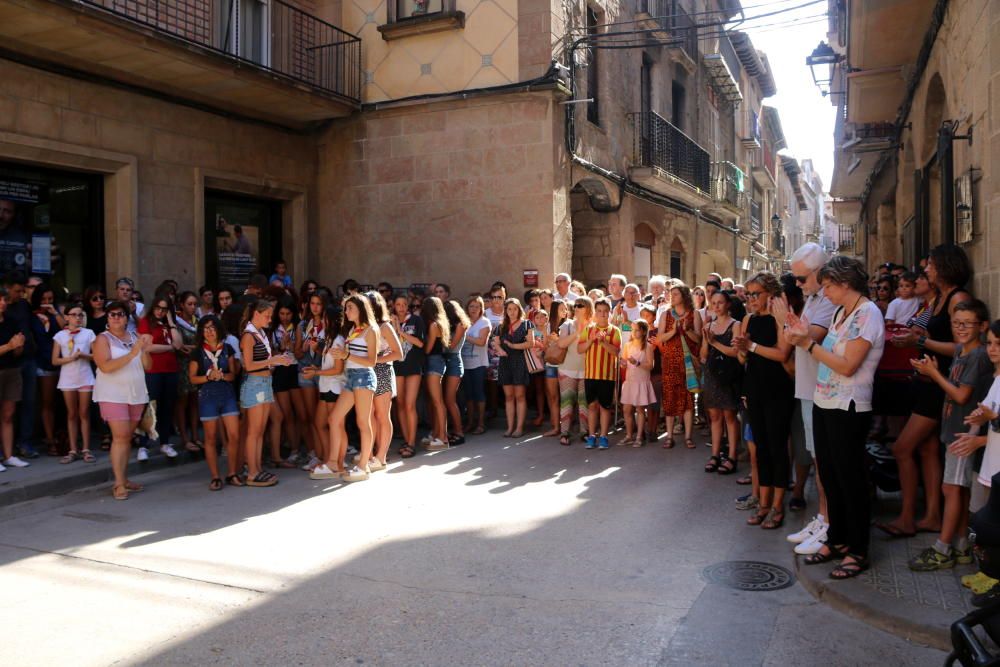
[495, 553]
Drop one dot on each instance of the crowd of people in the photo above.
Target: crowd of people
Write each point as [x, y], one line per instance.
[787, 372]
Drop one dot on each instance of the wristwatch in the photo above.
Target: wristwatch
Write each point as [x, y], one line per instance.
[753, 347]
[921, 340]
[811, 346]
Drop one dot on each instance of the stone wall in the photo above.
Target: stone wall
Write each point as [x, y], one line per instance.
[174, 148]
[460, 192]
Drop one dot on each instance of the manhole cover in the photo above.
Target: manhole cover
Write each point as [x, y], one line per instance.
[748, 575]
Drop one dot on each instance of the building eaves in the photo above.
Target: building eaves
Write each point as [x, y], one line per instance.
[754, 62]
[773, 121]
[791, 167]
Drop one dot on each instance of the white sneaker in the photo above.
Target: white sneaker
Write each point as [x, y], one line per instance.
[811, 529]
[375, 465]
[168, 451]
[312, 465]
[426, 440]
[356, 474]
[142, 454]
[323, 471]
[436, 445]
[2, 467]
[14, 462]
[813, 544]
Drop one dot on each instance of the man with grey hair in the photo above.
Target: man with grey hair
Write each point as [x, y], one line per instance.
[562, 288]
[727, 284]
[818, 311]
[657, 287]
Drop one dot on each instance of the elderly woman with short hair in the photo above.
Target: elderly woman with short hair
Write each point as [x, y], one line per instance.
[848, 357]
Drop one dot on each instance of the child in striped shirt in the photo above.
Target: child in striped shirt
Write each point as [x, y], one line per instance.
[600, 342]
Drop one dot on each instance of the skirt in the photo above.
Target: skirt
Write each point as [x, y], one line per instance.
[385, 380]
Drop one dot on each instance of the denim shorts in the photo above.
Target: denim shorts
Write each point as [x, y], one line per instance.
[453, 366]
[215, 400]
[256, 390]
[305, 382]
[435, 364]
[361, 378]
[552, 372]
[474, 384]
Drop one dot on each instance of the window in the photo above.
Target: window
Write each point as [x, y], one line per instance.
[678, 98]
[593, 91]
[646, 85]
[406, 9]
[675, 263]
[244, 29]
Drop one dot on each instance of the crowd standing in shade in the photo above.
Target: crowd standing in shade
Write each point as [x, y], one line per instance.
[792, 374]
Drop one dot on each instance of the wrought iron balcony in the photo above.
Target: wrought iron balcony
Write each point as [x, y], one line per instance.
[845, 234]
[274, 36]
[670, 16]
[657, 143]
[755, 223]
[728, 185]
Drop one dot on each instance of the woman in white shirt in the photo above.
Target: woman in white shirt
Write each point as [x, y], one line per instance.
[71, 353]
[847, 358]
[572, 396]
[475, 359]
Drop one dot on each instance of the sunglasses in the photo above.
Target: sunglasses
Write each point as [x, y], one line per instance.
[97, 297]
[116, 314]
[753, 295]
[579, 305]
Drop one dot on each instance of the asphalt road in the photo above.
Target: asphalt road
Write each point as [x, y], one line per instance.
[493, 553]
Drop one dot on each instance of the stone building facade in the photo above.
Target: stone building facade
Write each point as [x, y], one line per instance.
[409, 142]
[918, 131]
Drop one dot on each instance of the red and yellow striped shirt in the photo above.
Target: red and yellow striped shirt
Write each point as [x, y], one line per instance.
[599, 364]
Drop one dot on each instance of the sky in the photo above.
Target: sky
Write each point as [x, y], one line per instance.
[788, 38]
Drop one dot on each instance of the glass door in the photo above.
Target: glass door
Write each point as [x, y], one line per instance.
[242, 237]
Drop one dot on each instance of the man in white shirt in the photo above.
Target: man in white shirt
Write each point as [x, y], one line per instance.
[616, 288]
[818, 311]
[562, 288]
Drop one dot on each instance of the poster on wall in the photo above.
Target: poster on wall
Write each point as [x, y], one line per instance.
[237, 247]
[18, 209]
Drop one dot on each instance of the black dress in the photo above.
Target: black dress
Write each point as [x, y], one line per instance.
[513, 369]
[720, 389]
[928, 397]
[770, 401]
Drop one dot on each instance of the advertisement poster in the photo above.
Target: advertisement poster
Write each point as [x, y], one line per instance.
[237, 247]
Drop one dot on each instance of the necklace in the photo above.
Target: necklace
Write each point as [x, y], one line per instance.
[848, 313]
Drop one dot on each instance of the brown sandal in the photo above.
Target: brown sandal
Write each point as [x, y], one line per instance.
[668, 443]
[87, 456]
[689, 443]
[120, 492]
[69, 458]
[134, 487]
[758, 518]
[775, 519]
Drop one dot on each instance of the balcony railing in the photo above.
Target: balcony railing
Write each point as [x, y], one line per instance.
[277, 37]
[755, 224]
[672, 17]
[846, 238]
[657, 143]
[728, 184]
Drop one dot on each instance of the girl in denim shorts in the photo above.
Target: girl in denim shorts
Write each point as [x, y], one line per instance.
[212, 370]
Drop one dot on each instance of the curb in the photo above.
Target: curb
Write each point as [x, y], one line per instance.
[45, 488]
[830, 593]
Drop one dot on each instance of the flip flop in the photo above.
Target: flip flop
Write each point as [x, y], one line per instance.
[893, 532]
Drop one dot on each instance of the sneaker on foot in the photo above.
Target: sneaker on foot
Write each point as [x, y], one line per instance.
[27, 452]
[930, 559]
[813, 544]
[168, 451]
[963, 556]
[356, 474]
[14, 462]
[602, 442]
[747, 502]
[436, 445]
[313, 463]
[813, 527]
[591, 442]
[142, 454]
[293, 458]
[2, 467]
[322, 471]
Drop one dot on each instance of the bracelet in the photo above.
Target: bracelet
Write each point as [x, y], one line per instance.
[811, 346]
[921, 340]
[753, 347]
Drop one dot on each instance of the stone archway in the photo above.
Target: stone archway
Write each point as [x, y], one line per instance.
[713, 261]
[934, 105]
[591, 232]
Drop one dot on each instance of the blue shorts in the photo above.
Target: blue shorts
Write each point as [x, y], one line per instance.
[474, 384]
[435, 364]
[305, 382]
[361, 378]
[747, 435]
[453, 366]
[215, 400]
[552, 372]
[256, 390]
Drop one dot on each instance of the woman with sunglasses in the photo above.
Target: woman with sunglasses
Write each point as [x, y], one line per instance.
[885, 292]
[157, 322]
[769, 393]
[212, 369]
[120, 388]
[93, 305]
[72, 351]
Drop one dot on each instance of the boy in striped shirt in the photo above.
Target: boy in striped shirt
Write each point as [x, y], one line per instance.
[600, 342]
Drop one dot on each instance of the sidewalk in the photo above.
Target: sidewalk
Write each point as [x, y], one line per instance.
[47, 477]
[917, 606]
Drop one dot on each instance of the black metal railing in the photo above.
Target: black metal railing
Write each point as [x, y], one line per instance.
[657, 143]
[845, 234]
[874, 131]
[728, 184]
[755, 224]
[275, 36]
[728, 54]
[673, 18]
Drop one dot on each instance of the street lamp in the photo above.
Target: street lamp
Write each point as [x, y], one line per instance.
[823, 56]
